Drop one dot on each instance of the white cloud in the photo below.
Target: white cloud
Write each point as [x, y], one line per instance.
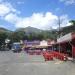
[38, 20]
[6, 8]
[68, 2]
[12, 18]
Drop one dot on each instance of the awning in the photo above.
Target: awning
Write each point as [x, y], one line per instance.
[65, 38]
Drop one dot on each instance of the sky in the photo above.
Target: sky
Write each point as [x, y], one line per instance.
[42, 14]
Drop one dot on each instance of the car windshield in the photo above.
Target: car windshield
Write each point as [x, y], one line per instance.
[16, 46]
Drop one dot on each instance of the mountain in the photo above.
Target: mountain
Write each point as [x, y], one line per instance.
[30, 30]
[68, 29]
[4, 30]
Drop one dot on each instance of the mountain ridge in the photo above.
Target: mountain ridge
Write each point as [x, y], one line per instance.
[4, 30]
[30, 29]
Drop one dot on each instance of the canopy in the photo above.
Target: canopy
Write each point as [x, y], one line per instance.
[65, 38]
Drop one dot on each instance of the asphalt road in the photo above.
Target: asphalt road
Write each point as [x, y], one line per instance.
[24, 64]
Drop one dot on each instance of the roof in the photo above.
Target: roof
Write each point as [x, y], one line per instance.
[66, 38]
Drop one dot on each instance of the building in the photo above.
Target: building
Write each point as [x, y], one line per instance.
[66, 44]
[31, 43]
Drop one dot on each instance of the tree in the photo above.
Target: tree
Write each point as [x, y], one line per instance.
[17, 36]
[3, 36]
[73, 22]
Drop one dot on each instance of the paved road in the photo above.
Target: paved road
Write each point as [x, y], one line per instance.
[24, 64]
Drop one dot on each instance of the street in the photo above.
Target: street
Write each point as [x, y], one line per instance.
[24, 64]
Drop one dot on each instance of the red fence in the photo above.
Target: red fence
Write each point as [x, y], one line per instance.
[48, 56]
[53, 54]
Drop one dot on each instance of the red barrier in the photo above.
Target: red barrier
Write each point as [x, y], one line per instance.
[57, 55]
[47, 56]
[60, 56]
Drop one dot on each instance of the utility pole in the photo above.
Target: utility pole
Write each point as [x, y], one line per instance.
[59, 31]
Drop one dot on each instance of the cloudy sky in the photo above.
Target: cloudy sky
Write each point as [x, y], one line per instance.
[42, 14]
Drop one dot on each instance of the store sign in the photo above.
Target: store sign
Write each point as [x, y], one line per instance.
[31, 43]
[43, 43]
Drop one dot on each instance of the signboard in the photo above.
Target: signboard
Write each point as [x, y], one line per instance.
[31, 43]
[43, 43]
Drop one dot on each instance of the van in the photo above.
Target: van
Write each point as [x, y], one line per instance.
[16, 47]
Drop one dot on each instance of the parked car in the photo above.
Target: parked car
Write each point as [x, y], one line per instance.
[4, 48]
[16, 47]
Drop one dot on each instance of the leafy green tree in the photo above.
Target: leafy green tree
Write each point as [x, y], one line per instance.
[3, 36]
[73, 22]
[17, 36]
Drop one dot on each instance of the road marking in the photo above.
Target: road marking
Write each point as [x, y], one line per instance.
[59, 62]
[35, 64]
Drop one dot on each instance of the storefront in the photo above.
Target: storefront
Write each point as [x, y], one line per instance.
[66, 44]
[36, 45]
